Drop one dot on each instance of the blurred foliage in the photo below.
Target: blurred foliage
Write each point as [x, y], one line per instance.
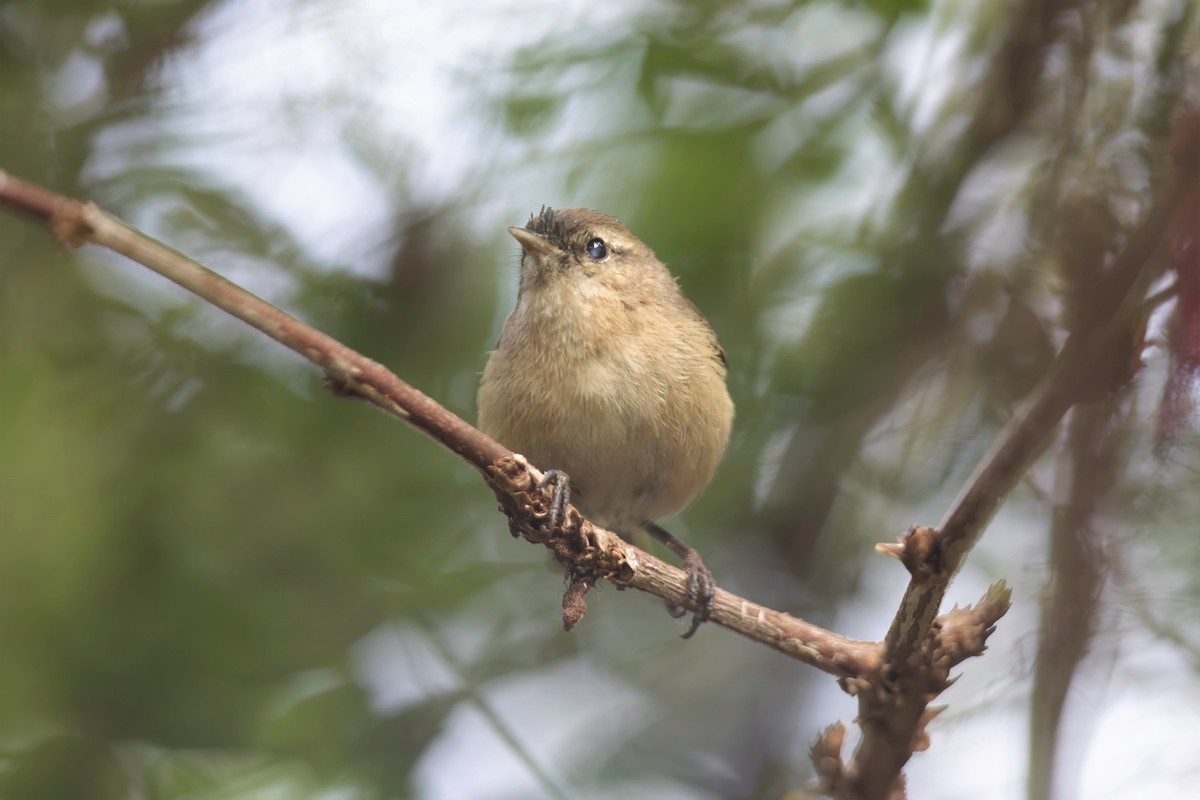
[219, 581]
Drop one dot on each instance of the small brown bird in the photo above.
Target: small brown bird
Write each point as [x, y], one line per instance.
[606, 373]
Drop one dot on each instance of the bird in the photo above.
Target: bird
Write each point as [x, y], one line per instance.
[610, 380]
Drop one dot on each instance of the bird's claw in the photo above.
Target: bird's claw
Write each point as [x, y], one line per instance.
[559, 499]
[701, 591]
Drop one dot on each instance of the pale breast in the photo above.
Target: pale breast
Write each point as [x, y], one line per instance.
[639, 423]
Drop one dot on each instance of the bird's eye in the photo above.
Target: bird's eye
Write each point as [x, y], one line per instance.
[596, 249]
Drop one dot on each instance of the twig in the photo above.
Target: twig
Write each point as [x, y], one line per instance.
[1079, 570]
[1099, 356]
[589, 553]
[551, 787]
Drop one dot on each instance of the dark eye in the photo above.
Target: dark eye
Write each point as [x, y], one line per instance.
[596, 249]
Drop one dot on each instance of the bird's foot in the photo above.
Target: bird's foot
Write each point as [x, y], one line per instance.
[559, 499]
[701, 588]
[701, 591]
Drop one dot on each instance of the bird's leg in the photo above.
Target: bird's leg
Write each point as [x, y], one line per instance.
[559, 499]
[701, 588]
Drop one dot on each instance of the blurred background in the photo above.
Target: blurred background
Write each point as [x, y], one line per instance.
[219, 581]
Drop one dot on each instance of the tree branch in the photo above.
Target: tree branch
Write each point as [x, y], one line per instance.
[1101, 354]
[589, 553]
[1079, 569]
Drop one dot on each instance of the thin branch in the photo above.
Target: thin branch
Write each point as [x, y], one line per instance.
[589, 553]
[1099, 356]
[1151, 303]
[551, 787]
[1079, 570]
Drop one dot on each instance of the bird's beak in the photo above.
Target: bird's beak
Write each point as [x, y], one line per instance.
[532, 243]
